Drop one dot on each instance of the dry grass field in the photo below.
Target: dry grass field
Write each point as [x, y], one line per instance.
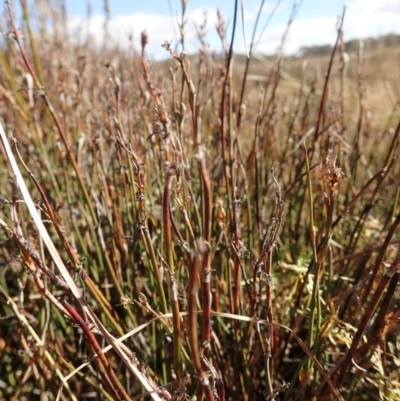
[235, 225]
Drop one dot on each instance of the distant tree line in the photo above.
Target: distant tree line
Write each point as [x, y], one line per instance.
[353, 45]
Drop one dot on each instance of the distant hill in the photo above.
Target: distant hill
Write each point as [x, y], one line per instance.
[351, 46]
[370, 44]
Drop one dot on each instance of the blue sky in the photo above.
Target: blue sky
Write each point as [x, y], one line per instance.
[314, 24]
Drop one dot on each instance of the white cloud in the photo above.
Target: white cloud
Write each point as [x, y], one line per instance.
[303, 32]
[159, 28]
[363, 18]
[372, 18]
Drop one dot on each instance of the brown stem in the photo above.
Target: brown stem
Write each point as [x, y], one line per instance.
[193, 289]
[53, 113]
[167, 228]
[108, 374]
[344, 366]
[326, 84]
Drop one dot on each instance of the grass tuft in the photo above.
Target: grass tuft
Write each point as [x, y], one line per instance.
[212, 227]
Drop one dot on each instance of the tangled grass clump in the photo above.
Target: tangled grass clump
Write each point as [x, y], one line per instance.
[174, 230]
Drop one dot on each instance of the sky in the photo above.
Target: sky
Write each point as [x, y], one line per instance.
[314, 24]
